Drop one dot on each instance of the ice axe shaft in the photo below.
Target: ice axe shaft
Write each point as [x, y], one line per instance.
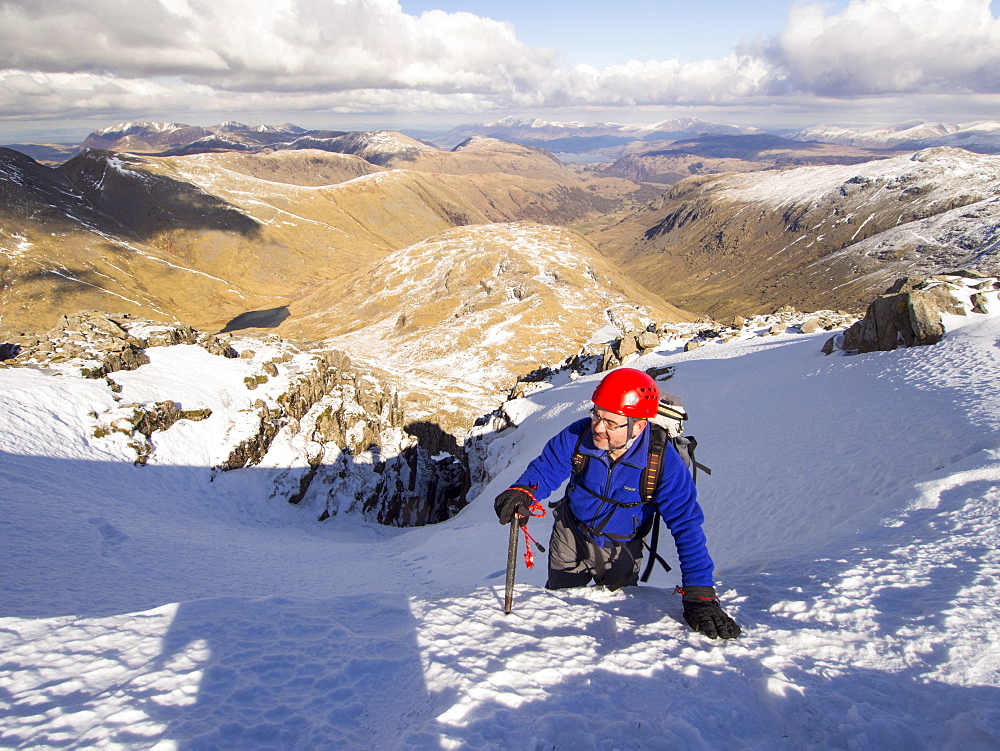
[508, 600]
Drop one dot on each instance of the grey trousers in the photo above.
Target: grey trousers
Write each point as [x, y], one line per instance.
[575, 561]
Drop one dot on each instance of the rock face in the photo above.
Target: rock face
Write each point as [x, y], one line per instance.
[362, 455]
[353, 409]
[419, 488]
[907, 314]
[343, 438]
[140, 421]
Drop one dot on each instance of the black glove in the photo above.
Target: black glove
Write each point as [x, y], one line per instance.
[703, 613]
[515, 500]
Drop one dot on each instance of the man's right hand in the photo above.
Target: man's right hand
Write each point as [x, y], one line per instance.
[516, 500]
[703, 613]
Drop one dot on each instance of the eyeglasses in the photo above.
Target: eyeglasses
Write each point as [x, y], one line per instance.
[597, 419]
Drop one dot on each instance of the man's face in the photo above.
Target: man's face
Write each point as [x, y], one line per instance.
[609, 431]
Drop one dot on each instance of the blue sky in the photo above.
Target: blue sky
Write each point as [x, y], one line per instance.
[68, 67]
[610, 32]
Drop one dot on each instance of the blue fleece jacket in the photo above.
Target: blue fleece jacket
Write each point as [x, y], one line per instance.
[621, 480]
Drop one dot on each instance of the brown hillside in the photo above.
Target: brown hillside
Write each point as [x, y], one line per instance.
[749, 243]
[306, 167]
[59, 255]
[261, 225]
[470, 309]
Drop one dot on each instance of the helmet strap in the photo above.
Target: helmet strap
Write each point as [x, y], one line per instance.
[631, 438]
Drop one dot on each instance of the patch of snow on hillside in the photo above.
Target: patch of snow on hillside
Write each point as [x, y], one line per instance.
[20, 245]
[950, 173]
[965, 237]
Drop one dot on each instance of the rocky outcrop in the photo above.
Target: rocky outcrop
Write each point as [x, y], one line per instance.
[693, 335]
[419, 487]
[907, 314]
[361, 454]
[103, 343]
[140, 421]
[344, 423]
[349, 408]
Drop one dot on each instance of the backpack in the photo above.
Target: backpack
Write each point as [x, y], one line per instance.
[667, 427]
[670, 416]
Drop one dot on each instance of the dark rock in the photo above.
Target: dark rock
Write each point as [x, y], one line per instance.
[419, 488]
[660, 373]
[626, 346]
[162, 416]
[610, 360]
[128, 357]
[251, 450]
[811, 326]
[906, 315]
[647, 340]
[216, 345]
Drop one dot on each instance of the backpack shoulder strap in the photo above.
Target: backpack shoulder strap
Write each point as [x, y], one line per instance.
[579, 459]
[651, 474]
[578, 465]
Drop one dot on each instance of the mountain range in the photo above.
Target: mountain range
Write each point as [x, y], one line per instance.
[406, 252]
[209, 238]
[812, 237]
[580, 137]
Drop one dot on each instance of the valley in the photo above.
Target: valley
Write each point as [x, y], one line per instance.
[460, 269]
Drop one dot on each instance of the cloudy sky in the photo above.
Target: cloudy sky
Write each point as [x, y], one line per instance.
[68, 67]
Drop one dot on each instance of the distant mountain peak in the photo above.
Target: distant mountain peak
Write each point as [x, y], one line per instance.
[137, 126]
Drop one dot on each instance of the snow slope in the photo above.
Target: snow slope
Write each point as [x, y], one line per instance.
[852, 513]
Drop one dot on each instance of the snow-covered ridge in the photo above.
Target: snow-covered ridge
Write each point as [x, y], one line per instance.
[894, 135]
[945, 172]
[140, 603]
[161, 127]
[130, 127]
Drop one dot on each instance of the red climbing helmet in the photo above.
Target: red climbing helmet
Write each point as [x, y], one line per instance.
[628, 392]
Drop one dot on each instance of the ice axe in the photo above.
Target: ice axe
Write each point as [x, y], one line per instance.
[508, 600]
[519, 524]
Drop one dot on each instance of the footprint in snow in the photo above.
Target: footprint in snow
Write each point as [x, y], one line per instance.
[110, 538]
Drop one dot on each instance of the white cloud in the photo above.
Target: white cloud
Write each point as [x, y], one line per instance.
[889, 46]
[644, 83]
[143, 56]
[269, 45]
